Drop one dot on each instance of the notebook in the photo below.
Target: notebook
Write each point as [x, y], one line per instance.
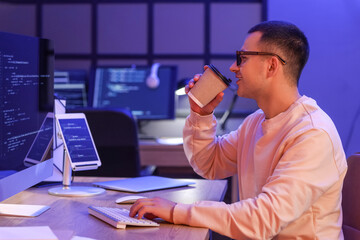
[143, 184]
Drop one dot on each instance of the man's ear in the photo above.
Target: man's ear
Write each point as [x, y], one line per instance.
[273, 66]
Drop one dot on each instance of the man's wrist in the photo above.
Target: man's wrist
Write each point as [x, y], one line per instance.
[172, 213]
[202, 113]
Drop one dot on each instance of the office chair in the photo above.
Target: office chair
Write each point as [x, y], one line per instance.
[351, 199]
[115, 135]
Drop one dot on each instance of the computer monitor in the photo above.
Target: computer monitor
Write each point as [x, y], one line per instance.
[26, 98]
[71, 85]
[147, 91]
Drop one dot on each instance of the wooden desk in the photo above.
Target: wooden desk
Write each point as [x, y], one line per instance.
[69, 214]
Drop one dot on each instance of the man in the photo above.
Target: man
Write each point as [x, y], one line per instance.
[288, 155]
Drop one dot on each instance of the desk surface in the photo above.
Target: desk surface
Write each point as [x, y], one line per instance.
[69, 214]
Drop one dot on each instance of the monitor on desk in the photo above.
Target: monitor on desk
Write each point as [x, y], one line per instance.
[147, 91]
[71, 85]
[26, 99]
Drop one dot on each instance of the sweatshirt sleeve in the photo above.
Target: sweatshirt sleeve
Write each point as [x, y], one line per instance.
[305, 171]
[211, 157]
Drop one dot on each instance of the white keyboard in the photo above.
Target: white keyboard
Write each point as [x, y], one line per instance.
[119, 217]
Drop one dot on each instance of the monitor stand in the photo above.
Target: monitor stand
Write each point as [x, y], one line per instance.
[73, 191]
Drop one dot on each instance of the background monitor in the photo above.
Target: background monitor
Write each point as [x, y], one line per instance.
[71, 85]
[148, 92]
[26, 98]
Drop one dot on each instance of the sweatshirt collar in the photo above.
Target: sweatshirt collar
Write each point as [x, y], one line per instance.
[278, 119]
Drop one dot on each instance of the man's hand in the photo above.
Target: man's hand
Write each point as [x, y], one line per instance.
[153, 208]
[209, 108]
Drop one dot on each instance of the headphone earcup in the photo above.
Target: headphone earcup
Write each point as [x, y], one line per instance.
[153, 81]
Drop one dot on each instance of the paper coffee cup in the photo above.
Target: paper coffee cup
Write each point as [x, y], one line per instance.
[210, 84]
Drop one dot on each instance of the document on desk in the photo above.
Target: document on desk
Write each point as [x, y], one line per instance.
[28, 233]
[22, 210]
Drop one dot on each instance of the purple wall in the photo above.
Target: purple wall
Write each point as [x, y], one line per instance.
[332, 74]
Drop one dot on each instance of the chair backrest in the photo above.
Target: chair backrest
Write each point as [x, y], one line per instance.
[351, 199]
[116, 139]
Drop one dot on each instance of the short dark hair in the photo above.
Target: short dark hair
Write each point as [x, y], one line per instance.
[289, 40]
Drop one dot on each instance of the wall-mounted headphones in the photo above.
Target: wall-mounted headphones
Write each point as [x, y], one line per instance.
[153, 80]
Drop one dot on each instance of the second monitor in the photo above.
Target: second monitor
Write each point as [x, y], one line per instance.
[148, 92]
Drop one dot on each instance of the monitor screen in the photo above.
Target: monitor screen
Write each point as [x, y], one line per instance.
[71, 85]
[26, 97]
[149, 94]
[42, 142]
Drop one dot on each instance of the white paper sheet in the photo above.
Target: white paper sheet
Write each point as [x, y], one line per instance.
[22, 210]
[27, 233]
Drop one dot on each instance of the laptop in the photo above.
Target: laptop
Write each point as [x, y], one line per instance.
[143, 184]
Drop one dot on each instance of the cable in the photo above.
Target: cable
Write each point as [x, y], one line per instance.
[60, 100]
[227, 113]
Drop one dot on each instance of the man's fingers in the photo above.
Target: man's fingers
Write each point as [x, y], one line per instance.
[192, 82]
[146, 210]
[197, 77]
[138, 204]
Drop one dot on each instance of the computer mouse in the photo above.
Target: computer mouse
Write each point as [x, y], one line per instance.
[128, 199]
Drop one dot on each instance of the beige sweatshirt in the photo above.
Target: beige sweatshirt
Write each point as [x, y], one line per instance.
[290, 174]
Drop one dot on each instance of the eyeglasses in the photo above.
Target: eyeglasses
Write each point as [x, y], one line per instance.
[240, 53]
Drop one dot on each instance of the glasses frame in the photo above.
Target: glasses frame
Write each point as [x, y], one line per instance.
[239, 53]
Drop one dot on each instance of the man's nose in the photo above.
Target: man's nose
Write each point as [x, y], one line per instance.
[234, 67]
